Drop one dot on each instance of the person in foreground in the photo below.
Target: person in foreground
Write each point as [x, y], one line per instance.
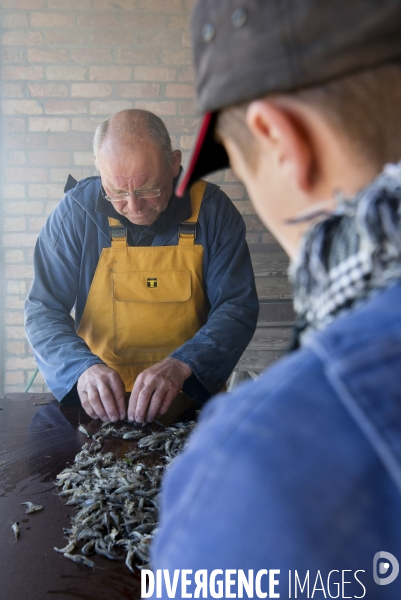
[163, 287]
[300, 472]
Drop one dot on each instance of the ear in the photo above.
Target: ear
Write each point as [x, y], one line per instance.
[176, 162]
[281, 135]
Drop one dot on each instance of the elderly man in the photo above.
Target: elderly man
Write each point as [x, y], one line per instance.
[292, 487]
[163, 288]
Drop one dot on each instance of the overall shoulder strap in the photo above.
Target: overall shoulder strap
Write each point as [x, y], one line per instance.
[187, 229]
[196, 192]
[118, 233]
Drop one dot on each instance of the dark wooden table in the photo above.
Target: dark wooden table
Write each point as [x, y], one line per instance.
[36, 443]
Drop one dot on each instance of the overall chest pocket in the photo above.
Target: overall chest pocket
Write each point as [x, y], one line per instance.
[150, 310]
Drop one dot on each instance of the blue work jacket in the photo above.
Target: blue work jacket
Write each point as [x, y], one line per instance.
[66, 256]
[301, 470]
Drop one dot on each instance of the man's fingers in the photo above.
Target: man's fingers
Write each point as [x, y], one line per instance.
[118, 391]
[131, 409]
[155, 404]
[133, 401]
[144, 398]
[167, 402]
[83, 396]
[102, 394]
[100, 403]
[107, 399]
[154, 387]
[96, 404]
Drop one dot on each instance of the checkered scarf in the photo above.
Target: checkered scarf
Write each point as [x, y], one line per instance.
[349, 256]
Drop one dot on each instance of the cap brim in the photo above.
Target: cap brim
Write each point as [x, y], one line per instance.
[207, 155]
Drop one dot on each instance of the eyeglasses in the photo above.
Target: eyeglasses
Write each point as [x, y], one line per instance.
[144, 194]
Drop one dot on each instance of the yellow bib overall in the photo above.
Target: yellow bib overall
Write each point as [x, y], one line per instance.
[145, 302]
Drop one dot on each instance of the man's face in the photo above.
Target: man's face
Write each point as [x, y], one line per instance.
[139, 167]
[292, 160]
[264, 163]
[267, 190]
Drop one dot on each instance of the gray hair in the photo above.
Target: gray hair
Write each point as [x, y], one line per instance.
[133, 122]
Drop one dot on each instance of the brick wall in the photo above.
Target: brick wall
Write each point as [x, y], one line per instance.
[66, 66]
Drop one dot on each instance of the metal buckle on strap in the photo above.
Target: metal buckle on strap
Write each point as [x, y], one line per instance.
[118, 231]
[188, 229]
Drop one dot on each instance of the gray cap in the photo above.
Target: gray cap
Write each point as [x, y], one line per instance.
[246, 49]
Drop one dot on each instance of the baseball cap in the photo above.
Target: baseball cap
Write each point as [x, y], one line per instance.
[246, 49]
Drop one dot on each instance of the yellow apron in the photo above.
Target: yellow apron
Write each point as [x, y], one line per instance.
[145, 302]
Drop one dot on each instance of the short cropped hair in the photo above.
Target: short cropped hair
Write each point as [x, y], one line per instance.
[365, 107]
[133, 122]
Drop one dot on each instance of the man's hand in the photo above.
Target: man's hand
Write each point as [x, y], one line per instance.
[102, 393]
[156, 388]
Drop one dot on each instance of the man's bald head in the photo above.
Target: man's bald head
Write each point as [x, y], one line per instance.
[136, 164]
[129, 127]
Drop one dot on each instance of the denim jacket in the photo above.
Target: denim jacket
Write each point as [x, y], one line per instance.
[65, 260]
[300, 470]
